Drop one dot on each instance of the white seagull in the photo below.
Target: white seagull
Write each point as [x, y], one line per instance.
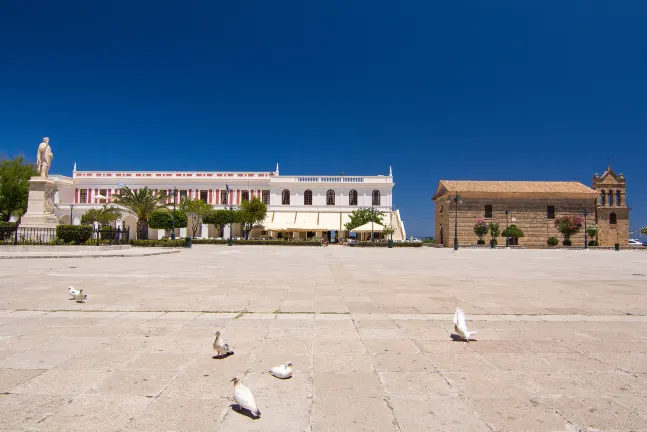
[460, 327]
[73, 292]
[244, 398]
[282, 371]
[220, 347]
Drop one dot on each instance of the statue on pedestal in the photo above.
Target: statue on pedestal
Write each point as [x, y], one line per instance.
[44, 158]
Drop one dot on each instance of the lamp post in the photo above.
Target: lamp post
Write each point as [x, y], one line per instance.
[457, 200]
[71, 218]
[507, 233]
[173, 214]
[586, 244]
[372, 222]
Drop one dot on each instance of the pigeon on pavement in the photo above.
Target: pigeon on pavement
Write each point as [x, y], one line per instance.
[73, 292]
[461, 327]
[79, 296]
[220, 347]
[282, 371]
[244, 398]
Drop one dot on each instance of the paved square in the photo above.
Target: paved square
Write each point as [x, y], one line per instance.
[562, 339]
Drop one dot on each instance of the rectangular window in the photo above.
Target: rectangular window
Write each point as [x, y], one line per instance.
[266, 197]
[488, 211]
[223, 197]
[183, 195]
[550, 212]
[204, 195]
[84, 196]
[103, 192]
[245, 196]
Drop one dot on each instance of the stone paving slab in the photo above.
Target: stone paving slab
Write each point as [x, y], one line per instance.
[89, 252]
[369, 333]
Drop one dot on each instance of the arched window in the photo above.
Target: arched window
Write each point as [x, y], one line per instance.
[603, 198]
[613, 219]
[610, 197]
[352, 197]
[330, 197]
[376, 197]
[618, 198]
[285, 197]
[307, 197]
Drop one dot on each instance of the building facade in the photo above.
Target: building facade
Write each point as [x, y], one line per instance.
[533, 207]
[297, 206]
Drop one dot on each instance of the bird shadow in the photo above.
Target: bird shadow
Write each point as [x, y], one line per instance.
[242, 411]
[457, 338]
[224, 356]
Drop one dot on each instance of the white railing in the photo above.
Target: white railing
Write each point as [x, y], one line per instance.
[332, 179]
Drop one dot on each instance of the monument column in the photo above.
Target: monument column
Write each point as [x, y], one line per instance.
[40, 203]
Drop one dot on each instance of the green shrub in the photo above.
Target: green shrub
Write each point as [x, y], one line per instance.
[158, 243]
[512, 231]
[386, 244]
[259, 242]
[7, 230]
[74, 233]
[480, 241]
[567, 242]
[552, 241]
[594, 243]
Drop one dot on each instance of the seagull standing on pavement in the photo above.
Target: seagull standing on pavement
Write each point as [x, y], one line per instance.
[461, 327]
[244, 398]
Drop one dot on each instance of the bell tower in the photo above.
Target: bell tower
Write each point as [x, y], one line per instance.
[612, 213]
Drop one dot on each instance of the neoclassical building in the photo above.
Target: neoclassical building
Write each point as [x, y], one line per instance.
[298, 206]
[533, 207]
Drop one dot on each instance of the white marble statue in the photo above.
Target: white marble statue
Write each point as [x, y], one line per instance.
[44, 158]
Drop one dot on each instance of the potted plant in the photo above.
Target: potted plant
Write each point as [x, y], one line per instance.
[568, 226]
[480, 229]
[552, 241]
[513, 232]
[592, 231]
[493, 227]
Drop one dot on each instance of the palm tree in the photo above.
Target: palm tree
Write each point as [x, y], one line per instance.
[141, 203]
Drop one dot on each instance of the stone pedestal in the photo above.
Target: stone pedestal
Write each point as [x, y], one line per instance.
[41, 190]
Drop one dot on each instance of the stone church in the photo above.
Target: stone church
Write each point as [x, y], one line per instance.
[533, 206]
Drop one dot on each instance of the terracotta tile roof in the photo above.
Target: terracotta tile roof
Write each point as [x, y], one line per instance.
[515, 187]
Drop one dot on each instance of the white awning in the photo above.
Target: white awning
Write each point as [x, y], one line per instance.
[281, 221]
[329, 221]
[369, 227]
[305, 222]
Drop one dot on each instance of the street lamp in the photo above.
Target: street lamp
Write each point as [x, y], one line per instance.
[372, 222]
[586, 244]
[71, 219]
[173, 214]
[457, 200]
[507, 230]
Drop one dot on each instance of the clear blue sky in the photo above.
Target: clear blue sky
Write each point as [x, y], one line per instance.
[508, 90]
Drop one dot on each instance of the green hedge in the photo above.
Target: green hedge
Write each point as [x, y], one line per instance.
[552, 241]
[74, 233]
[158, 243]
[8, 231]
[259, 242]
[386, 244]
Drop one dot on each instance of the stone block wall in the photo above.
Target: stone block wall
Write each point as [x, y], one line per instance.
[529, 214]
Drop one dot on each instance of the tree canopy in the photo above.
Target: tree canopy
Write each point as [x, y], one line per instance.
[141, 203]
[196, 209]
[220, 218]
[163, 219]
[251, 213]
[14, 186]
[363, 215]
[103, 216]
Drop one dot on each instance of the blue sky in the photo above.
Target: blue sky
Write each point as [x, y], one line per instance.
[508, 90]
